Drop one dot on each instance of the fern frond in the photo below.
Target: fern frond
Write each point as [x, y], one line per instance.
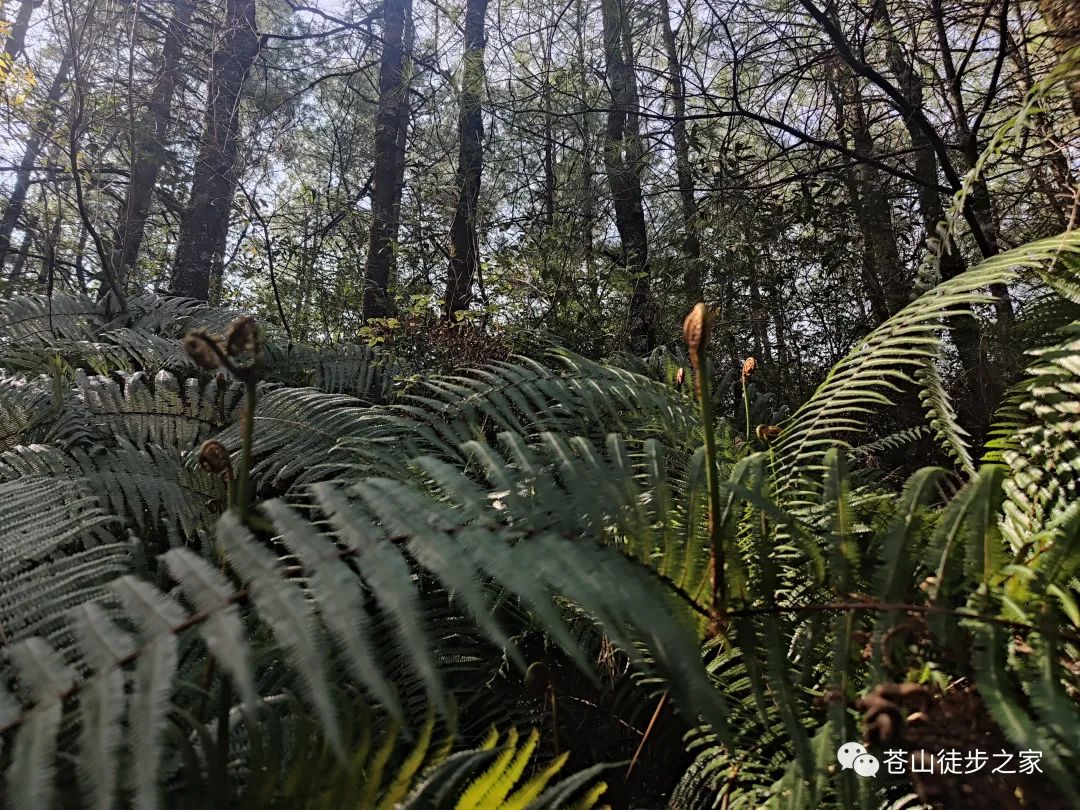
[296, 433]
[102, 703]
[150, 487]
[942, 416]
[161, 410]
[357, 371]
[283, 607]
[864, 381]
[1045, 454]
[223, 630]
[31, 319]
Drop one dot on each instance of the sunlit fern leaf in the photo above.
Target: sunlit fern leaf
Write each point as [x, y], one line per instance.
[502, 785]
[584, 785]
[439, 786]
[507, 767]
[864, 381]
[1045, 454]
[398, 786]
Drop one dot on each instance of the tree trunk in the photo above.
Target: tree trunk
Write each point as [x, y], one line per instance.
[148, 147]
[883, 274]
[404, 116]
[41, 129]
[1063, 20]
[385, 190]
[693, 272]
[622, 156]
[464, 253]
[16, 38]
[587, 196]
[200, 252]
[965, 328]
[982, 204]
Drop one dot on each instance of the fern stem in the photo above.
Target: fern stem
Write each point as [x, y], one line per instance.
[746, 406]
[247, 422]
[220, 778]
[696, 330]
[712, 482]
[554, 719]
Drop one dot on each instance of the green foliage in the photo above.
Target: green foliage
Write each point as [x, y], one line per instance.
[322, 648]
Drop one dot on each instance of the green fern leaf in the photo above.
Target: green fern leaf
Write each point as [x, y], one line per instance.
[283, 607]
[102, 703]
[223, 630]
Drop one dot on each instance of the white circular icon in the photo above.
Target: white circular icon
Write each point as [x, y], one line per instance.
[848, 752]
[866, 765]
[853, 755]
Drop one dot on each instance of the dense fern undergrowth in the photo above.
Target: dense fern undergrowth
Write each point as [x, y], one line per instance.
[238, 572]
[256, 574]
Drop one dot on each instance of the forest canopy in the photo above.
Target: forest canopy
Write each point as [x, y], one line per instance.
[539, 403]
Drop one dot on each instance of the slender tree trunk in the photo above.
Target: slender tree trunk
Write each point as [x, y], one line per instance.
[464, 252]
[148, 147]
[549, 160]
[404, 116]
[693, 272]
[16, 38]
[80, 260]
[587, 195]
[622, 159]
[40, 131]
[385, 193]
[20, 257]
[982, 204]
[883, 274]
[1063, 19]
[965, 328]
[200, 252]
